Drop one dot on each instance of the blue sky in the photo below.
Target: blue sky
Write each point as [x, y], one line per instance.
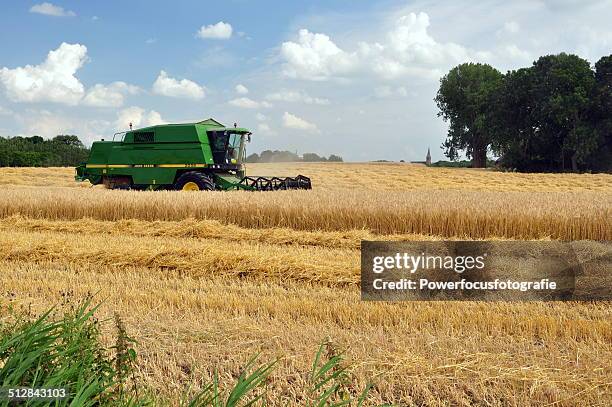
[354, 78]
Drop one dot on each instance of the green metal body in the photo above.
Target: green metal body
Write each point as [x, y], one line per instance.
[155, 157]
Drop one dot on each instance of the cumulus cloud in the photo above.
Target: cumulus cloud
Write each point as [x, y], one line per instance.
[109, 95]
[407, 49]
[153, 118]
[295, 96]
[138, 116]
[52, 81]
[294, 122]
[248, 103]
[184, 88]
[241, 89]
[315, 57]
[49, 9]
[261, 117]
[55, 81]
[413, 44]
[516, 53]
[219, 31]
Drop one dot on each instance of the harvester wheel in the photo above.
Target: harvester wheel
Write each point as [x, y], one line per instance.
[194, 181]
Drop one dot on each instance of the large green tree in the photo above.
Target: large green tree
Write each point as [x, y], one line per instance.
[601, 159]
[562, 86]
[517, 137]
[544, 115]
[603, 93]
[465, 102]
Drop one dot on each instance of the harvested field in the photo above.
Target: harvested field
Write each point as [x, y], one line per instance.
[206, 280]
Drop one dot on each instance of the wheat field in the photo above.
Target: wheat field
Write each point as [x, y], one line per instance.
[204, 281]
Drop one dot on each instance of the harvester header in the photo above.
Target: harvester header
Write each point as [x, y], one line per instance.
[190, 156]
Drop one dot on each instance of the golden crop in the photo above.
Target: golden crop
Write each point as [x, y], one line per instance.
[206, 280]
[560, 215]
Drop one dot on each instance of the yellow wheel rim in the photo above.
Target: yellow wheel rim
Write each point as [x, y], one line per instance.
[191, 186]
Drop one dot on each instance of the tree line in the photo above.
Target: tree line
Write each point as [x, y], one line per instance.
[69, 151]
[60, 151]
[555, 115]
[276, 156]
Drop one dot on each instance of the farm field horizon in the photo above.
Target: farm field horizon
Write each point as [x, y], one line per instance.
[205, 280]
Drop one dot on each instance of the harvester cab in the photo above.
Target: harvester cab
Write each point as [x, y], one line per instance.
[228, 146]
[191, 156]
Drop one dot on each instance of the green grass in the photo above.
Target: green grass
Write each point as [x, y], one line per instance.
[66, 352]
[47, 353]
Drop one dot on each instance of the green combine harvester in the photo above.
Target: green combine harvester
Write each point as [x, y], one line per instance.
[190, 157]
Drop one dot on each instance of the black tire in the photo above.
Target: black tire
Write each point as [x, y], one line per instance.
[193, 178]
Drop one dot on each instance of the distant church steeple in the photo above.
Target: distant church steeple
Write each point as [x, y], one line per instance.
[428, 157]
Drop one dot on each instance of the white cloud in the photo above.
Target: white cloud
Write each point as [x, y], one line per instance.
[247, 103]
[220, 31]
[51, 81]
[294, 96]
[315, 57]
[138, 116]
[49, 9]
[241, 89]
[109, 95]
[46, 124]
[294, 122]
[154, 118]
[407, 49]
[54, 81]
[261, 117]
[150, 41]
[516, 53]
[413, 44]
[184, 88]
